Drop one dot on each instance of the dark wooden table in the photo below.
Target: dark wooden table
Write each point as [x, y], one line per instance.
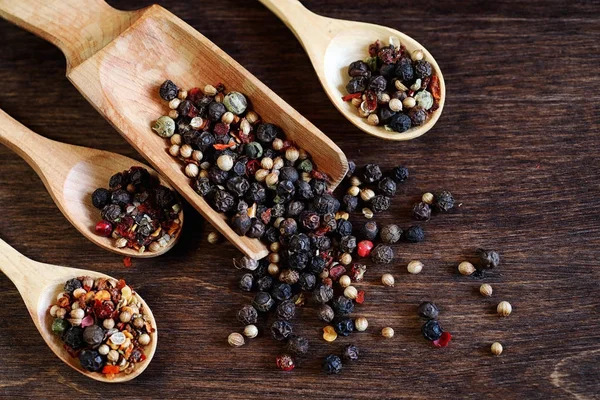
[517, 144]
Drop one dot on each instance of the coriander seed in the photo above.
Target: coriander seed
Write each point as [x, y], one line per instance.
[409, 102]
[275, 247]
[267, 163]
[367, 194]
[466, 268]
[373, 119]
[292, 154]
[185, 151]
[427, 198]
[504, 308]
[496, 348]
[351, 292]
[486, 290]
[176, 139]
[192, 170]
[235, 339]
[387, 280]
[355, 181]
[414, 267]
[387, 332]
[197, 155]
[273, 269]
[272, 178]
[277, 144]
[361, 324]
[354, 191]
[174, 150]
[395, 105]
[345, 281]
[251, 331]
[214, 237]
[345, 259]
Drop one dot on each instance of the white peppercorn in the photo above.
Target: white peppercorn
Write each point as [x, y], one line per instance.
[395, 105]
[345, 281]
[496, 348]
[367, 194]
[427, 198]
[227, 118]
[409, 102]
[292, 154]
[214, 237]
[235, 339]
[361, 324]
[144, 339]
[504, 309]
[354, 191]
[185, 151]
[251, 331]
[387, 280]
[373, 119]
[225, 162]
[174, 150]
[414, 267]
[173, 104]
[351, 292]
[192, 170]
[197, 155]
[210, 90]
[387, 332]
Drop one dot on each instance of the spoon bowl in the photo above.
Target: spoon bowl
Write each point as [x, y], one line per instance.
[132, 54]
[71, 174]
[332, 44]
[39, 284]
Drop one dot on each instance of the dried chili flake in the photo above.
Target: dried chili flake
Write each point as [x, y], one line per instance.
[360, 297]
[374, 48]
[443, 341]
[110, 369]
[223, 146]
[127, 262]
[265, 216]
[349, 97]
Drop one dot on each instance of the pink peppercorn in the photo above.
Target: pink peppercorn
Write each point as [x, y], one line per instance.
[285, 362]
[444, 340]
[104, 228]
[364, 248]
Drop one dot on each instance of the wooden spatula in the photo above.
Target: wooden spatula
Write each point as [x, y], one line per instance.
[118, 59]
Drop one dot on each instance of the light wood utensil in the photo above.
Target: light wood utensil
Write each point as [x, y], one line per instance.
[39, 284]
[332, 44]
[71, 174]
[118, 60]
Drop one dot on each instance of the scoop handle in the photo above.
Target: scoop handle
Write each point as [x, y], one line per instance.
[79, 28]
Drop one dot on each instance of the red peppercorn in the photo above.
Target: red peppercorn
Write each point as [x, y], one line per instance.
[336, 271]
[443, 341]
[285, 362]
[252, 166]
[104, 228]
[364, 248]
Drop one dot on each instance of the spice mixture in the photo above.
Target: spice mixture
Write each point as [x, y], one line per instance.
[137, 211]
[393, 88]
[103, 323]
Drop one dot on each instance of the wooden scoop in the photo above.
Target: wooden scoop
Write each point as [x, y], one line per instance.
[332, 44]
[39, 284]
[118, 60]
[71, 174]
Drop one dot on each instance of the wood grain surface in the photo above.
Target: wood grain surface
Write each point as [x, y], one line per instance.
[517, 144]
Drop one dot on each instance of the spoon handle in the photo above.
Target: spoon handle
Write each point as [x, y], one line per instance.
[80, 28]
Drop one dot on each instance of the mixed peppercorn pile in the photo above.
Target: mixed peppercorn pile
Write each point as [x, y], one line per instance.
[393, 88]
[103, 323]
[137, 211]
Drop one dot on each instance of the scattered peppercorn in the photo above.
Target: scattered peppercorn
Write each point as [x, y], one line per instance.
[326, 313]
[332, 364]
[382, 254]
[486, 290]
[361, 324]
[414, 267]
[281, 330]
[428, 310]
[298, 345]
[286, 310]
[421, 211]
[496, 348]
[444, 201]
[350, 353]
[344, 326]
[387, 332]
[432, 330]
[390, 234]
[414, 234]
[504, 309]
[488, 258]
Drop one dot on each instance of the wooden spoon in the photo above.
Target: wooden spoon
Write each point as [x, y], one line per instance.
[71, 174]
[39, 284]
[332, 44]
[118, 60]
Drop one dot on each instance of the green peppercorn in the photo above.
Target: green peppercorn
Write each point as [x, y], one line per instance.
[254, 150]
[164, 126]
[59, 326]
[305, 166]
[235, 102]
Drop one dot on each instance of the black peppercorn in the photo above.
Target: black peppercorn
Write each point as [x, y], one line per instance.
[382, 254]
[350, 202]
[288, 227]
[93, 335]
[325, 313]
[347, 244]
[400, 122]
[377, 84]
[385, 114]
[286, 189]
[100, 198]
[351, 169]
[264, 283]
[299, 260]
[322, 294]
[256, 194]
[421, 211]
[281, 330]
[432, 330]
[357, 85]
[418, 116]
[387, 187]
[91, 360]
[344, 326]
[281, 291]
[332, 364]
[444, 201]
[342, 305]
[238, 186]
[388, 71]
[216, 111]
[372, 173]
[71, 285]
[350, 353]
[304, 191]
[286, 310]
[488, 258]
[73, 337]
[263, 301]
[257, 229]
[111, 213]
[428, 310]
[414, 234]
[390, 233]
[359, 68]
[247, 315]
[307, 281]
[321, 243]
[278, 210]
[117, 181]
[120, 197]
[271, 234]
[310, 220]
[299, 242]
[217, 175]
[298, 345]
[203, 187]
[288, 174]
[344, 227]
[423, 69]
[400, 174]
[404, 70]
[223, 201]
[316, 265]
[266, 133]
[369, 230]
[168, 90]
[294, 208]
[241, 223]
[239, 167]
[318, 186]
[326, 204]
[246, 282]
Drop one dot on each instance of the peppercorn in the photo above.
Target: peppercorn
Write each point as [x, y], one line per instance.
[364, 248]
[257, 229]
[400, 174]
[304, 191]
[342, 305]
[344, 326]
[421, 211]
[387, 186]
[325, 313]
[286, 310]
[332, 364]
[387, 280]
[321, 243]
[345, 281]
[168, 90]
[404, 70]
[241, 223]
[504, 309]
[294, 208]
[423, 69]
[263, 302]
[488, 258]
[496, 349]
[298, 345]
[281, 330]
[367, 194]
[357, 85]
[432, 330]
[372, 173]
[361, 324]
[382, 254]
[307, 281]
[444, 201]
[347, 244]
[93, 335]
[428, 310]
[223, 201]
[298, 261]
[235, 339]
[316, 265]
[350, 353]
[344, 227]
[59, 326]
[246, 282]
[247, 315]
[235, 103]
[387, 332]
[466, 268]
[91, 360]
[310, 220]
[281, 291]
[71, 285]
[325, 204]
[217, 175]
[390, 234]
[322, 294]
[414, 267]
[418, 116]
[318, 186]
[350, 202]
[486, 290]
[285, 189]
[359, 68]
[370, 230]
[414, 234]
[100, 198]
[73, 337]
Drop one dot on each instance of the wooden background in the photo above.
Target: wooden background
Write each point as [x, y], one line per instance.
[517, 145]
